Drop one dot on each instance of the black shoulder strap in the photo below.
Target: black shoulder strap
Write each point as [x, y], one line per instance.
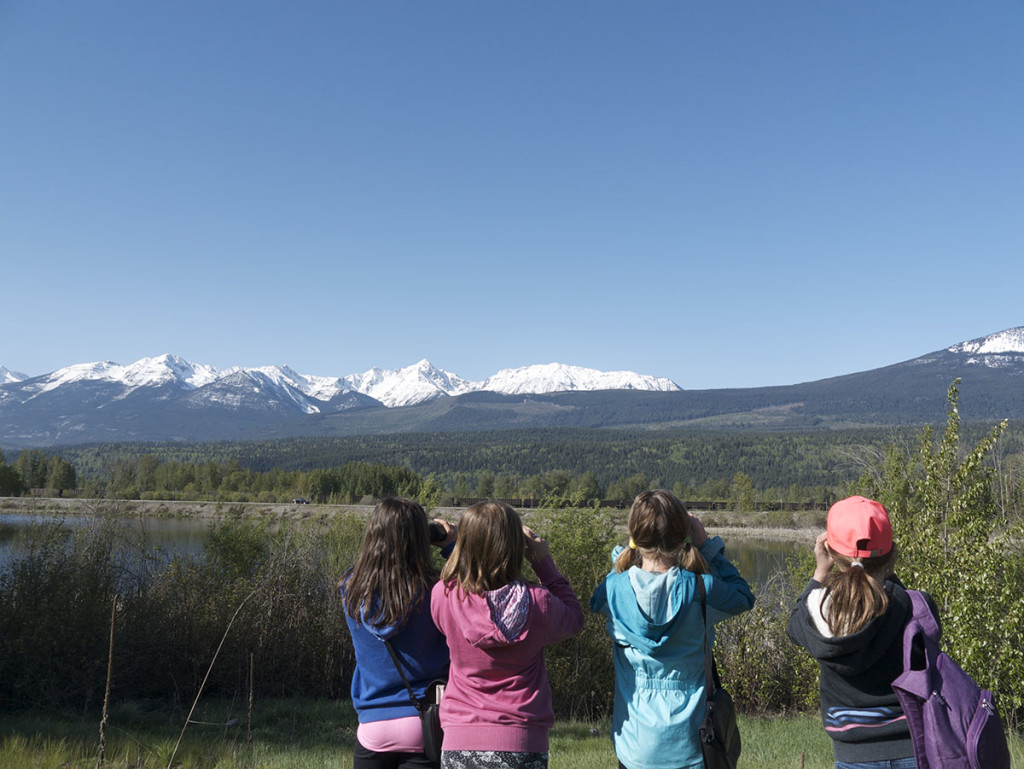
[709, 682]
[398, 666]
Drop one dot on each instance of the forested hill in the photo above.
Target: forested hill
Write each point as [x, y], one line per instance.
[663, 458]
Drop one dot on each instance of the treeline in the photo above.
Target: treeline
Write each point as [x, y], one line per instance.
[148, 477]
[691, 457]
[749, 469]
[34, 469]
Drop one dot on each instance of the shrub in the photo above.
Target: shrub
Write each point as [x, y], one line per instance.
[958, 544]
[760, 667]
[56, 598]
[580, 669]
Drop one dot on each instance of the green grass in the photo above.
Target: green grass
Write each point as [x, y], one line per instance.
[307, 734]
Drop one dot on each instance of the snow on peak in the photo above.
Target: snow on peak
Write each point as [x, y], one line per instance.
[422, 381]
[556, 377]
[9, 377]
[419, 382]
[318, 387]
[168, 369]
[1009, 341]
[147, 372]
[82, 372]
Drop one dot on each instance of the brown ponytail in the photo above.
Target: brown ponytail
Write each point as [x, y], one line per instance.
[629, 556]
[855, 595]
[659, 526]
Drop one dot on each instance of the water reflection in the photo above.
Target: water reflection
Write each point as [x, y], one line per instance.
[757, 559]
[174, 535]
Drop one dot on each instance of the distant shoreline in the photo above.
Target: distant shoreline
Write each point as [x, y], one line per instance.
[323, 513]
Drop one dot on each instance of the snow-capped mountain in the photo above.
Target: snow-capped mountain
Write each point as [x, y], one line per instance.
[393, 388]
[8, 377]
[995, 350]
[147, 372]
[170, 399]
[554, 377]
[410, 385]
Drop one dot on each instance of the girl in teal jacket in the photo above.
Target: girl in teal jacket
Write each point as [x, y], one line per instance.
[653, 615]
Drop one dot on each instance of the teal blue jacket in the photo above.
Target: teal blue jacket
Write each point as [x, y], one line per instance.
[656, 627]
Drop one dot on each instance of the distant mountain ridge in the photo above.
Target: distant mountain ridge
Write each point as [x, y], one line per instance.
[170, 399]
[393, 388]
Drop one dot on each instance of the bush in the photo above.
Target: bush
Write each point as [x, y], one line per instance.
[580, 669]
[760, 667]
[959, 545]
[56, 599]
[55, 607]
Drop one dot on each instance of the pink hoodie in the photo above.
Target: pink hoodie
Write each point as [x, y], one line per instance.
[498, 697]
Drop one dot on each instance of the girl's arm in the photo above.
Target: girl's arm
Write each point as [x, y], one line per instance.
[728, 593]
[561, 609]
[558, 604]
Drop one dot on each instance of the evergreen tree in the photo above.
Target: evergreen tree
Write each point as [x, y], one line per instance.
[62, 475]
[742, 492]
[485, 485]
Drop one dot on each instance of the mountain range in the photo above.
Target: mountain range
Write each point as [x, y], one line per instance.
[167, 398]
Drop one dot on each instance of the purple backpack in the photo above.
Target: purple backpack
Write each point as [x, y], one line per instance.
[953, 723]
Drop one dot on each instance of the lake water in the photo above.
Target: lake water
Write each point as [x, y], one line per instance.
[757, 559]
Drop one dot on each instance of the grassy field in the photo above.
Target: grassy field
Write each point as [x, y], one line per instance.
[304, 734]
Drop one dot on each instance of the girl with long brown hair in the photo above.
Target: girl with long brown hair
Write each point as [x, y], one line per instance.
[652, 605]
[386, 596]
[850, 617]
[496, 711]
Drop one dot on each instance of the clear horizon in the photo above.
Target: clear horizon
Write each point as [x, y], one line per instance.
[725, 195]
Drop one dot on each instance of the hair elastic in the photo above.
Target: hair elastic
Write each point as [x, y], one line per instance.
[632, 544]
[858, 564]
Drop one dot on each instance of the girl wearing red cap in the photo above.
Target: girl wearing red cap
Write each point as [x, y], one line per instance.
[850, 617]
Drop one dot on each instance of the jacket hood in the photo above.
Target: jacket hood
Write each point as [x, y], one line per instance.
[647, 607]
[497, 618]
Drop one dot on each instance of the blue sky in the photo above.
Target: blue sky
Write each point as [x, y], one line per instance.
[729, 194]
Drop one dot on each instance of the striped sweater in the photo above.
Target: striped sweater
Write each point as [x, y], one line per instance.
[859, 709]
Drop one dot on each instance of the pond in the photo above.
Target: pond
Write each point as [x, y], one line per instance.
[756, 558]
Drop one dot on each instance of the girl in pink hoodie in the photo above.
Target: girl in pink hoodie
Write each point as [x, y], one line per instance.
[496, 710]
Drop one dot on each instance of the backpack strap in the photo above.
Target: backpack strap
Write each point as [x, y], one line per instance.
[921, 623]
[398, 666]
[922, 612]
[711, 679]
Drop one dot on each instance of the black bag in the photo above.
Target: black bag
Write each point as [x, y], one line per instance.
[719, 735]
[429, 709]
[430, 720]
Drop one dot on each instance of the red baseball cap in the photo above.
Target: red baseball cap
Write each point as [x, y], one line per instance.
[859, 528]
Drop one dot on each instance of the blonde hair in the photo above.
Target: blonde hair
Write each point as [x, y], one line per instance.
[394, 570]
[659, 527]
[855, 595]
[489, 549]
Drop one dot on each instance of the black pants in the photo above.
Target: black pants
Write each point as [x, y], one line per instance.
[363, 758]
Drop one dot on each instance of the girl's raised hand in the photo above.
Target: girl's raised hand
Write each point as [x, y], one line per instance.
[450, 533]
[823, 562]
[698, 535]
[536, 548]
